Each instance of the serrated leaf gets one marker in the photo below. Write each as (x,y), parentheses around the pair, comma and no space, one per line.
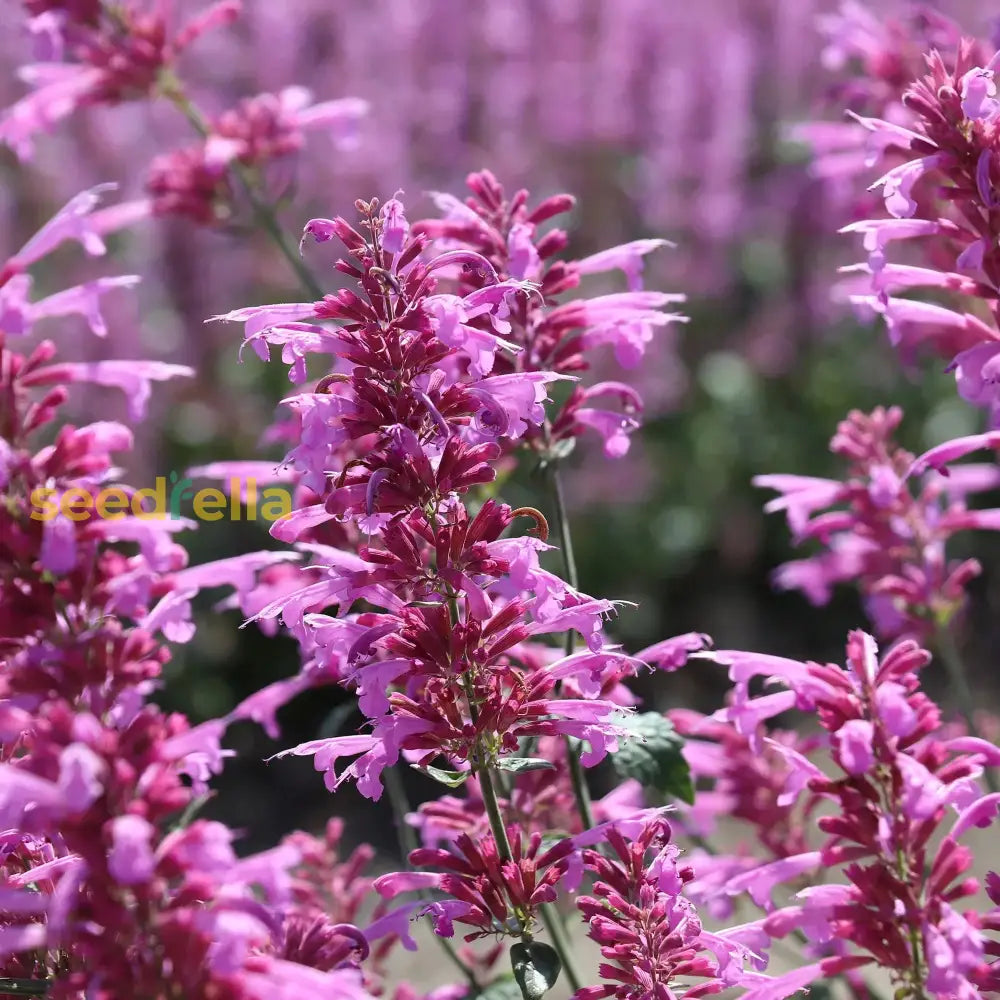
(453,779)
(652,755)
(536,968)
(519,764)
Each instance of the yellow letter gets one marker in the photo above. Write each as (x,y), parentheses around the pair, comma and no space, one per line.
(275,498)
(209,500)
(111,504)
(42,506)
(72,500)
(251,499)
(159,498)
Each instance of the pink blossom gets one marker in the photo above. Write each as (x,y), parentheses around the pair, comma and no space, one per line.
(130,860)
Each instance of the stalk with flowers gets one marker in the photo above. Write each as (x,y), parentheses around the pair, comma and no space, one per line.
(450,350)
(432,388)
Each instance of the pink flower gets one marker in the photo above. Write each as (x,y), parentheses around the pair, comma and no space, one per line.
(885,533)
(649,934)
(131,860)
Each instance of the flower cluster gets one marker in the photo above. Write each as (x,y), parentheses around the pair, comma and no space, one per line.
(96,54)
(879,532)
(108,887)
(92,54)
(449,350)
(874,59)
(553,336)
(940,200)
(412,418)
(493,889)
(429,390)
(900,781)
(649,934)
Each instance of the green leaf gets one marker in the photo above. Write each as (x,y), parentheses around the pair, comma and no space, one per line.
(504,988)
(652,755)
(519,764)
(536,968)
(453,779)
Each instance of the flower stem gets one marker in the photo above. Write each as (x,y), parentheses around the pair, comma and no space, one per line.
(269,223)
(493,813)
(947,650)
(172,89)
(562,529)
(551,919)
(576,775)
(407,844)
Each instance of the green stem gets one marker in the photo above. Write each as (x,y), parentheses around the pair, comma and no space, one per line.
(576,775)
(561,944)
(954,666)
(269,223)
(562,528)
(579,782)
(550,917)
(493,813)
(407,843)
(172,89)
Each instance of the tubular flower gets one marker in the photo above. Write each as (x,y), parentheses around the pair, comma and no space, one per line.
(489,894)
(558,337)
(941,199)
(755,779)
(100,56)
(882,531)
(649,934)
(429,605)
(196,181)
(873,57)
(103,890)
(408,421)
(904,794)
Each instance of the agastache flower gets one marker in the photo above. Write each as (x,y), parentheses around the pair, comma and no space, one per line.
(874,56)
(885,529)
(648,932)
(196,181)
(951,142)
(440,670)
(104,58)
(901,780)
(491,895)
(425,394)
(93,776)
(549,335)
